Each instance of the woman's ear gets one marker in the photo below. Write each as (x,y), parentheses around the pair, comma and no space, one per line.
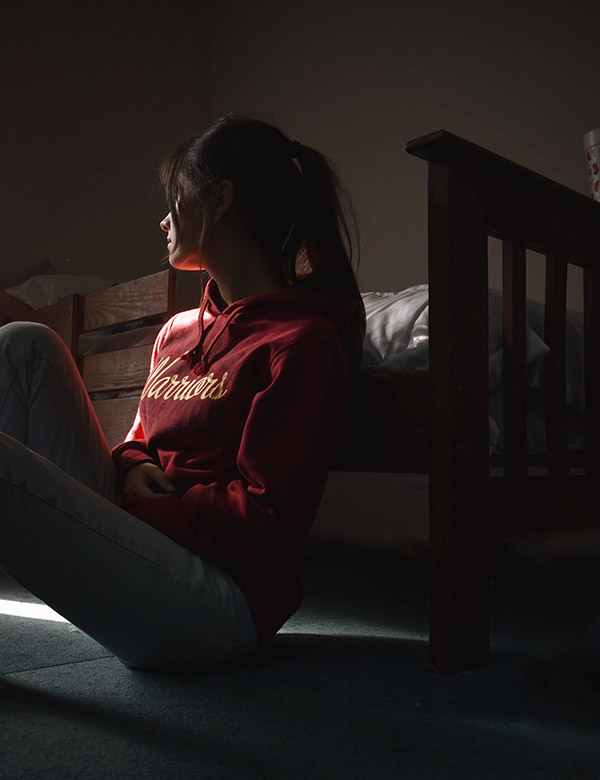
(225,193)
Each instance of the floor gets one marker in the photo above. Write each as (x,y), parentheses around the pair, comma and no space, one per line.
(344,692)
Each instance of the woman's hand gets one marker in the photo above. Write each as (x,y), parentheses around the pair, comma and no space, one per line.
(147,480)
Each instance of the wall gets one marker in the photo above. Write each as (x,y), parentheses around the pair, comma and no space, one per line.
(94,96)
(358,80)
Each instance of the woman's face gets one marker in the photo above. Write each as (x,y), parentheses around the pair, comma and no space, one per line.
(184,260)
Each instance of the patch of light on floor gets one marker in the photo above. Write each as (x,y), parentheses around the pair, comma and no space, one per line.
(27,610)
(355,630)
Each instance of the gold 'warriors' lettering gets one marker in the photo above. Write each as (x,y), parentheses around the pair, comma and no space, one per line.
(173,387)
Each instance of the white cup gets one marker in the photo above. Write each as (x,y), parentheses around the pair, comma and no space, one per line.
(591,147)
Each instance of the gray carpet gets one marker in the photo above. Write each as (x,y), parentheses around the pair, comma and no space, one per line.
(344,692)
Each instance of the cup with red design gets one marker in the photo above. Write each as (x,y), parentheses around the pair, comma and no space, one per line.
(591,147)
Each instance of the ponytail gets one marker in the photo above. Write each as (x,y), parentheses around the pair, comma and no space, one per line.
(320,249)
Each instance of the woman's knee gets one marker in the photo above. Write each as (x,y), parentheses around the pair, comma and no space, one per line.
(22,340)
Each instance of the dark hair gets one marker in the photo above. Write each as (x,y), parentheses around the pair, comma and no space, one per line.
(286,194)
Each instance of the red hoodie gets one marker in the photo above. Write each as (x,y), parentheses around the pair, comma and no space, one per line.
(241,410)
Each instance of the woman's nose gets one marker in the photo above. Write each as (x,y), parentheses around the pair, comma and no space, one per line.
(166,223)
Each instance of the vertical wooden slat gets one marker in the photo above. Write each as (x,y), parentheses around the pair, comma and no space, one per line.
(591,294)
(458,531)
(555,374)
(514,274)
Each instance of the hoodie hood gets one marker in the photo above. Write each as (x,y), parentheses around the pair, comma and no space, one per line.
(216,318)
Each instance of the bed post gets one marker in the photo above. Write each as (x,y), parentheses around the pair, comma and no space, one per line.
(458,321)
(458,534)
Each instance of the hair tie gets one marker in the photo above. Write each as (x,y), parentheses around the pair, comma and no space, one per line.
(295,147)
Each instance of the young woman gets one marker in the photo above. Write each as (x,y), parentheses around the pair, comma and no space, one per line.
(181,546)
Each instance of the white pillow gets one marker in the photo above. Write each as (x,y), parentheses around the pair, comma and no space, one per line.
(391,318)
(44,290)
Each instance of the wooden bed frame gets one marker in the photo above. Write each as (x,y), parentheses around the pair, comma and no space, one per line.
(436,421)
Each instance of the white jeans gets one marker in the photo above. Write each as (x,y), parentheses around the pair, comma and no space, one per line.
(144,597)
